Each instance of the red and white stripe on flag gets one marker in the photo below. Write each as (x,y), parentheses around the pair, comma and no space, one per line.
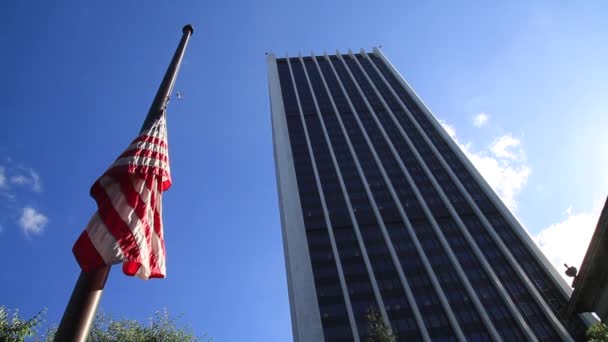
(127,226)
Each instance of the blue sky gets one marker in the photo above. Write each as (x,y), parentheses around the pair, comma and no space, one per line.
(79,77)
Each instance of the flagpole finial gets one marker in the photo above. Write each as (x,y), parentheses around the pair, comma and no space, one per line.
(188,28)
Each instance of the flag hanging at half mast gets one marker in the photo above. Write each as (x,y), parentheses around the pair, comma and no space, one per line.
(127,226)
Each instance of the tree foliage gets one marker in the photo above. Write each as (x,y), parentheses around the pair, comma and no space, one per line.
(378,330)
(15,329)
(161,327)
(598,332)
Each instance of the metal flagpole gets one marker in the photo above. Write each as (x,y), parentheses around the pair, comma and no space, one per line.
(81,309)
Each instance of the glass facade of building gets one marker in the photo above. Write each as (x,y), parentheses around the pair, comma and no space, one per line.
(394,217)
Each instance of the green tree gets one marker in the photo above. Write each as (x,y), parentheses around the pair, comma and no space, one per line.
(161,327)
(377,329)
(15,329)
(598,332)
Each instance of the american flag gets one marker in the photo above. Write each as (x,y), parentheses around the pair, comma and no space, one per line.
(127,226)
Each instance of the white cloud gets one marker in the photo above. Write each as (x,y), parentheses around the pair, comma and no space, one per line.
(2,178)
(502,165)
(7,196)
(506,177)
(36,183)
(507,147)
(32,221)
(480,119)
(566,242)
(33,179)
(19,180)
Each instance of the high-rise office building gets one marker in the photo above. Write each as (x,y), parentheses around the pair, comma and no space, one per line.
(381,210)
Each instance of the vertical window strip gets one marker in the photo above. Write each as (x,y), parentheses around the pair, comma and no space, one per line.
(345,131)
(321,94)
(341,64)
(362,248)
(411,302)
(323,204)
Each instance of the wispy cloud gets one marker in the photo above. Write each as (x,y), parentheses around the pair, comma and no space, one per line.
(5,193)
(480,119)
(36,183)
(32,221)
(14,175)
(19,180)
(507,147)
(566,241)
(2,178)
(32,179)
(502,165)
